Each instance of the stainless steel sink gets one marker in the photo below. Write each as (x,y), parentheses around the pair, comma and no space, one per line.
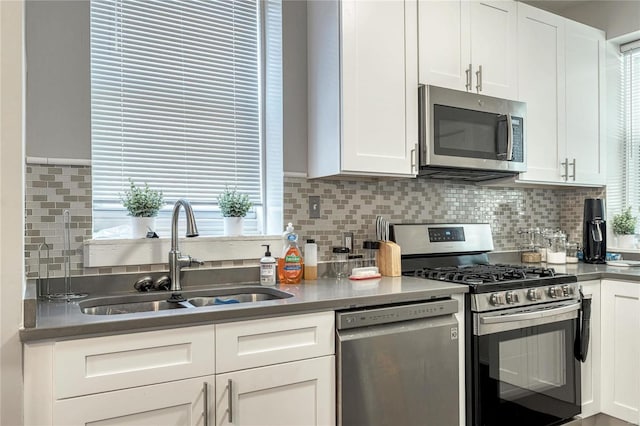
(232,298)
(131,308)
(152,302)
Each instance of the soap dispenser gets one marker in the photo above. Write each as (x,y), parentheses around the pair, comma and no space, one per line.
(267,268)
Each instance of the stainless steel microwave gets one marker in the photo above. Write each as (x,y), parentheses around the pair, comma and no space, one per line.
(466,136)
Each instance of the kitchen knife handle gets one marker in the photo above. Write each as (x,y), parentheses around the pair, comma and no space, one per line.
(230,400)
(205,403)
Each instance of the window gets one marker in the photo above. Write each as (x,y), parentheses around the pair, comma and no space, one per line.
(178,101)
(623,184)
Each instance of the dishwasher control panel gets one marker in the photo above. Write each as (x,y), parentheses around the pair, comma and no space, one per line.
(394,313)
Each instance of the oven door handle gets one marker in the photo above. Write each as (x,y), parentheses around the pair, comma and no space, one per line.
(496,319)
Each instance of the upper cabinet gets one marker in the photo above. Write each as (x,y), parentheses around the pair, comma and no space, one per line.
(585,82)
(561,78)
(541,84)
(362,88)
(469,45)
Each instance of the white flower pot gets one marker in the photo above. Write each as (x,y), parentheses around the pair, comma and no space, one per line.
(627,241)
(233,226)
(141,225)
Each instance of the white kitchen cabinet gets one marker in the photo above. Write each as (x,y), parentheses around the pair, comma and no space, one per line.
(362,88)
(591,382)
(281,370)
(620,374)
(297,393)
(560,77)
(469,45)
(179,403)
(585,152)
(541,84)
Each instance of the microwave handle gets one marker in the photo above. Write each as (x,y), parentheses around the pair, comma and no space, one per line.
(509,137)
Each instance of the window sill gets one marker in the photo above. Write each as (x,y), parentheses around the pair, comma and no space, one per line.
(127,252)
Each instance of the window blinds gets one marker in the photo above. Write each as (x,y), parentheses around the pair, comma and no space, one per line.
(176,101)
(623,185)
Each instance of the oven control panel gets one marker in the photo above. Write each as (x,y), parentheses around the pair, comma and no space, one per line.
(524,296)
(437,235)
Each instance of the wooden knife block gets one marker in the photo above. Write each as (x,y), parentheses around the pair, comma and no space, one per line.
(389,259)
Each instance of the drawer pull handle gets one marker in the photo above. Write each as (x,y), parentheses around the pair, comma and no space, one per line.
(230,400)
(205,403)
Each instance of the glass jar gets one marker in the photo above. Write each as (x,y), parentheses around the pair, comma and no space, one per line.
(370,250)
(572,252)
(557,251)
(340,262)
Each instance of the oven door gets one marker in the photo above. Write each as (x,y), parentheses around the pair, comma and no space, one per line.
(524,369)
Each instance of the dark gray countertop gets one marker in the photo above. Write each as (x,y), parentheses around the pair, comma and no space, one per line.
(61,320)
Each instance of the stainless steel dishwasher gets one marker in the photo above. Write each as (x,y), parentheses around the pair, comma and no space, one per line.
(398,365)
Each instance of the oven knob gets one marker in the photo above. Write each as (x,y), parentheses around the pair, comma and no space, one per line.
(567,291)
(496,299)
(512,297)
(533,294)
(555,292)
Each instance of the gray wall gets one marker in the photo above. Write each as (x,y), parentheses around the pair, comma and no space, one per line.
(616,18)
(58,101)
(58,118)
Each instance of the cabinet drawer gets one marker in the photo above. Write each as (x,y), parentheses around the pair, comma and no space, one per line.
(180,403)
(255,343)
(100,364)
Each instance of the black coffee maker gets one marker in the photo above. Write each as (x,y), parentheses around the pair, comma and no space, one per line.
(594,231)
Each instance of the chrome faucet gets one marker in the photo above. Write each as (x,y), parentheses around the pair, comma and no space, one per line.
(176,260)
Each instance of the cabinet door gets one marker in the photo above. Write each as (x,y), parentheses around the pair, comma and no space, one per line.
(493,47)
(584,94)
(541,81)
(296,393)
(444,44)
(180,403)
(620,349)
(379,87)
(591,367)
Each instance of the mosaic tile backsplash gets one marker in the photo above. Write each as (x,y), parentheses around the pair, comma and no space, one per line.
(345,206)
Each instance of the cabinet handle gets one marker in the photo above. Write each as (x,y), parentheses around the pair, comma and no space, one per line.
(468,73)
(205,403)
(573,164)
(230,400)
(479,79)
(414,166)
(565,164)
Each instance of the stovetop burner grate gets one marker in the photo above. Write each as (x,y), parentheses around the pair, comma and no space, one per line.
(485,278)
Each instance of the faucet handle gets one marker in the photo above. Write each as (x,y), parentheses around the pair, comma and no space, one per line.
(194,260)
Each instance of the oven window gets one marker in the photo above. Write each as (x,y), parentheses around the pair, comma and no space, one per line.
(530,364)
(527,376)
(465,133)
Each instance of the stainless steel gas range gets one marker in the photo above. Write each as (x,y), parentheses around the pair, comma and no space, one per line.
(526,331)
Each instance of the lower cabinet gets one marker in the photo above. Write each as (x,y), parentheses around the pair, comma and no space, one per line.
(269,371)
(591,383)
(180,403)
(294,393)
(620,373)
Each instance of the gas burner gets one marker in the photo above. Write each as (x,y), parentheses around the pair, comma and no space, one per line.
(486,278)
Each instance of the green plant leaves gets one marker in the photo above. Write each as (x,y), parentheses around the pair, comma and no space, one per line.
(142,202)
(624,223)
(234,204)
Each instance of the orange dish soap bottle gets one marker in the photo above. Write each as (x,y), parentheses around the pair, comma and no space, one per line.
(290,264)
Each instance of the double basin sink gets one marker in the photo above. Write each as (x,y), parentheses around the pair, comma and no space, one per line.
(150,302)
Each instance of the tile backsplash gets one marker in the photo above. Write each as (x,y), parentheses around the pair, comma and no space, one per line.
(346,205)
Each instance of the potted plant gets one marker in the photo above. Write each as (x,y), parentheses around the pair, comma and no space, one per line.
(143,204)
(234,206)
(624,226)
